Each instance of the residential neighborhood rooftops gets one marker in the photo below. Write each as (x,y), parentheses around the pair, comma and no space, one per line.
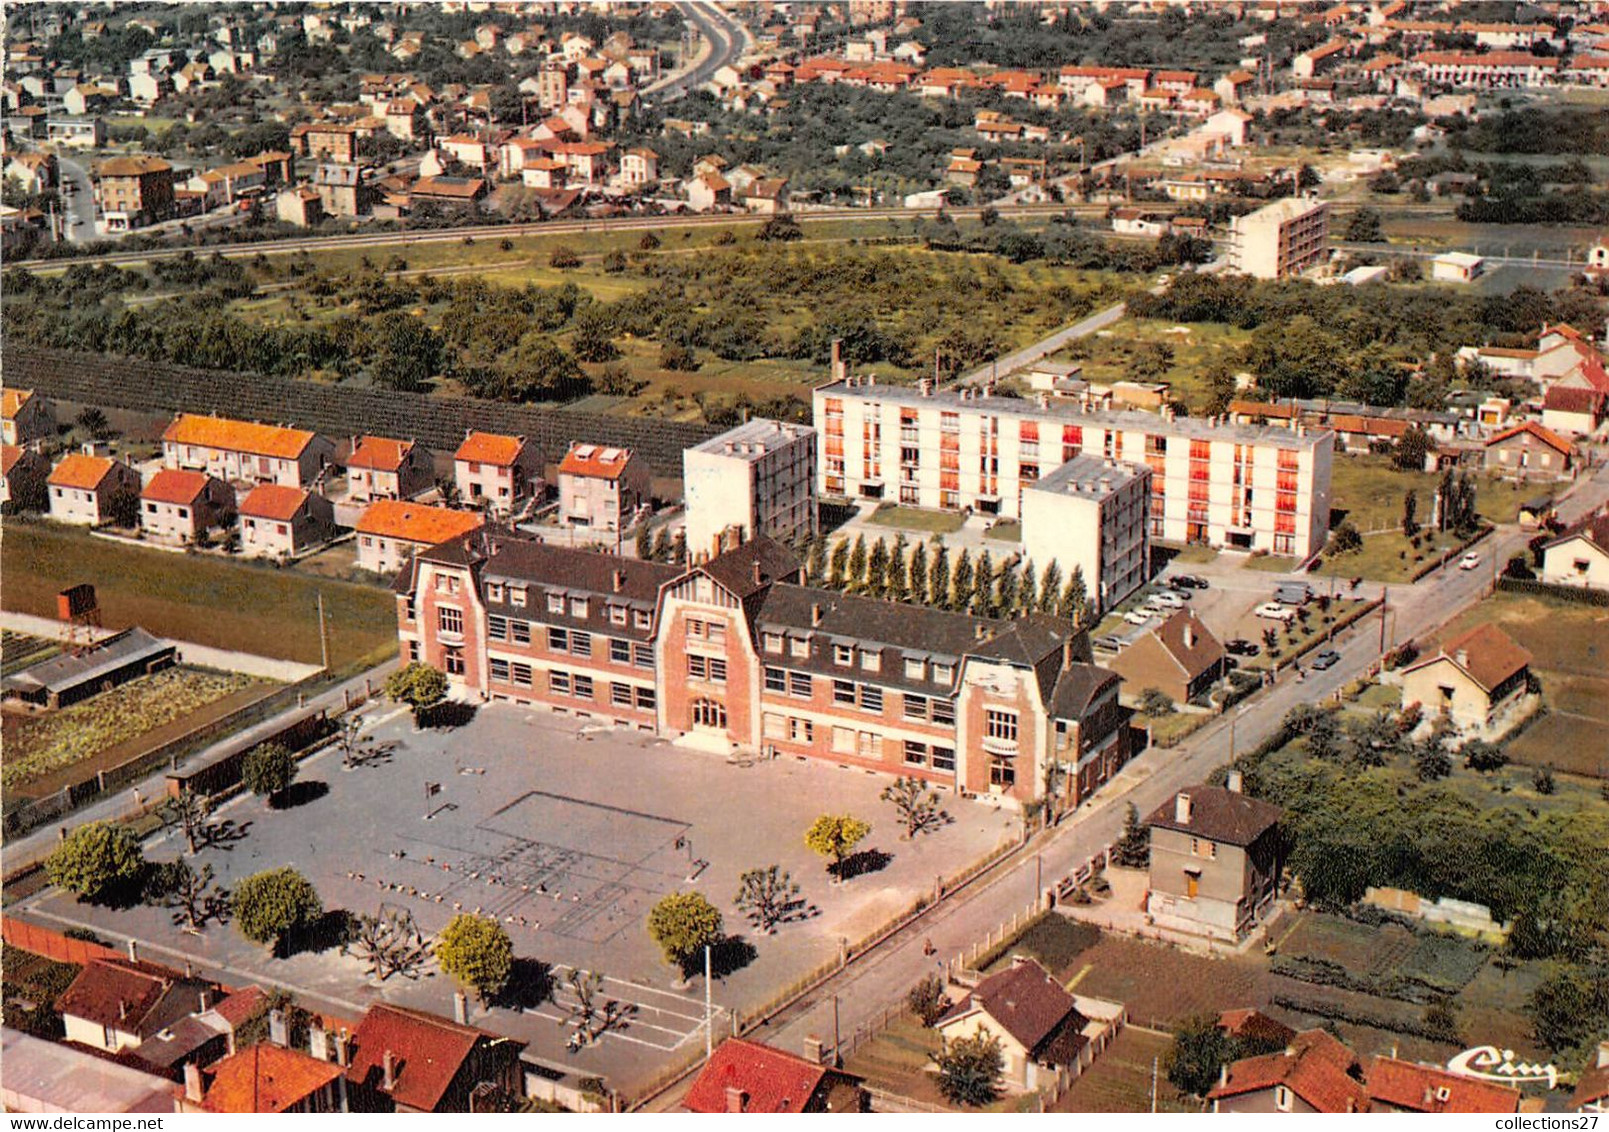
(225,434)
(117,992)
(81,471)
(133,166)
(273,501)
(265,1078)
(379,453)
(1213,812)
(1025,1001)
(595,461)
(171,485)
(1427,1088)
(1315,1066)
(416,522)
(768,1079)
(1488,654)
(64,1078)
(490,448)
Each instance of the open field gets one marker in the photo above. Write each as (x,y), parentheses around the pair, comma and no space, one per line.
(246,607)
(1183,353)
(37,746)
(915,519)
(1120,1079)
(1370,490)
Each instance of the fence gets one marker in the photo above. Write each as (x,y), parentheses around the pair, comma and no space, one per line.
(437,422)
(52,944)
(1548,589)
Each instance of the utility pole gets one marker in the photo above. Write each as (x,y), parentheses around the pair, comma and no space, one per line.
(709,1016)
(1383,604)
(836,1060)
(1153,1083)
(323,635)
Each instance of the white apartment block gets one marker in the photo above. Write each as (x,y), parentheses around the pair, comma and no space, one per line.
(1283,238)
(758,478)
(1244,487)
(1092,514)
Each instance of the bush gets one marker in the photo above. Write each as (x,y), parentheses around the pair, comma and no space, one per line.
(926,1000)
(680,358)
(564,257)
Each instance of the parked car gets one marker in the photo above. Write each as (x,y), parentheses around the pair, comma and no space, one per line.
(1329,658)
(1275,611)
(1293,593)
(1139,617)
(1189,582)
(1167,599)
(1469,561)
(1112,644)
(1240,646)
(1176,590)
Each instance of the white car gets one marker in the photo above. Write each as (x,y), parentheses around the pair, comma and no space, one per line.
(1166,599)
(1275,611)
(1139,617)
(1469,561)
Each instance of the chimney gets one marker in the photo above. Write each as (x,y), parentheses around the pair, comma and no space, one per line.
(1189,636)
(460,1008)
(388,1071)
(193,1091)
(980,631)
(815,614)
(342,1047)
(133,951)
(813,1050)
(839,370)
(1236,782)
(620,580)
(1181,808)
(278,1029)
(1462,657)
(122,1010)
(758,576)
(206,1003)
(318,1042)
(736,1099)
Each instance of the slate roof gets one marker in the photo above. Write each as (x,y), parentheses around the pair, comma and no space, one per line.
(1219,815)
(1196,656)
(124,993)
(1026,1002)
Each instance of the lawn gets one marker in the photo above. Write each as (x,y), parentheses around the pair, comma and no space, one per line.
(1370,490)
(1144,349)
(897,1061)
(229,604)
(1388,557)
(40,745)
(916,519)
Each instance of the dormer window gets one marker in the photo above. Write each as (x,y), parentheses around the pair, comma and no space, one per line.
(642,619)
(773,642)
(871,660)
(555,603)
(517,595)
(578,607)
(915,668)
(494,591)
(617,615)
(799,647)
(843,655)
(943,673)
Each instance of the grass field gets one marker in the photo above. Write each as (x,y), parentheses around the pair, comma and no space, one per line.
(42,745)
(225,604)
(915,519)
(1370,490)
(1111,354)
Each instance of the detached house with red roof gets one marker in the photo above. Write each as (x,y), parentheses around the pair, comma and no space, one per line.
(92,490)
(181,507)
(1216,856)
(1530,451)
(23,472)
(117,1004)
(601,488)
(496,472)
(283,522)
(744,1076)
(244,451)
(1405,1086)
(408,1061)
(382,468)
(1315,1073)
(390,531)
(24,417)
(265,1077)
(1580,556)
(1479,681)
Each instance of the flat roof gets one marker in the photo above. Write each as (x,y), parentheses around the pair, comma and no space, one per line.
(1024,408)
(753,439)
(1088,476)
(60,1078)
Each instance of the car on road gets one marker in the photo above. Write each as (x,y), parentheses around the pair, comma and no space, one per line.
(1240,646)
(1168,599)
(1329,658)
(1189,582)
(1469,561)
(1139,617)
(1275,611)
(1111,644)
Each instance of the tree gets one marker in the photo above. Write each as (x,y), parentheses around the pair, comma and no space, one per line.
(1542,780)
(835,836)
(390,943)
(592,340)
(1027,591)
(1200,1050)
(780,228)
(643,543)
(1132,850)
(564,257)
(938,579)
(856,578)
(477,953)
(1075,598)
(1483,757)
(267,770)
(419,686)
(1570,1007)
(406,352)
(188,811)
(1345,539)
(356,748)
(877,569)
(1050,587)
(96,861)
(590,1015)
(683,924)
(926,1000)
(193,896)
(1324,737)
(1412,447)
(970,1069)
(816,559)
(896,582)
(1431,760)
(1155,702)
(1410,513)
(917,805)
(93,421)
(838,565)
(982,584)
(961,582)
(661,551)
(1364,227)
(764,896)
(272,904)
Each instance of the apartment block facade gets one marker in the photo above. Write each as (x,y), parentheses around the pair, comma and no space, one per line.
(734,655)
(1280,239)
(1238,486)
(758,478)
(1092,514)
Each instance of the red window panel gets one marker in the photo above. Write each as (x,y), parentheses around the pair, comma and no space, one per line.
(1073,434)
(1285,524)
(949,481)
(1198,492)
(1201,450)
(1284,502)
(1029,430)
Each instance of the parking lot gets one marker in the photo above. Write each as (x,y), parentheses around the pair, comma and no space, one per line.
(567,834)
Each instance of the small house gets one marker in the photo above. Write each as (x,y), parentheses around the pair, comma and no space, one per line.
(284,522)
(601,488)
(1480,682)
(382,468)
(496,472)
(389,531)
(181,507)
(1216,856)
(93,490)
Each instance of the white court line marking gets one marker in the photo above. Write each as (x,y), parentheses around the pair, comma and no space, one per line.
(611,1033)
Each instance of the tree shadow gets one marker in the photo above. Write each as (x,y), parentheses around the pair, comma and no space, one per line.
(300,794)
(1338,516)
(729,955)
(530,984)
(866,861)
(375,754)
(335,928)
(448,715)
(222,834)
(796,910)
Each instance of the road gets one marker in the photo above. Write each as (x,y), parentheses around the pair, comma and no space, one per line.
(882,977)
(1003,367)
(725,38)
(80,203)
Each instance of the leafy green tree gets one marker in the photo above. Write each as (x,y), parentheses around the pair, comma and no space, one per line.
(1199,1052)
(1542,780)
(896,583)
(1075,598)
(405,351)
(683,924)
(1050,587)
(927,1001)
(477,953)
(983,578)
(661,552)
(1410,513)
(838,565)
(857,565)
(1132,849)
(564,257)
(835,836)
(1570,1007)
(419,686)
(1154,702)
(1364,227)
(268,770)
(918,573)
(916,804)
(644,541)
(816,559)
(1431,761)
(270,905)
(877,569)
(938,579)
(1028,592)
(961,582)
(765,895)
(1345,539)
(780,229)
(1481,756)
(96,860)
(593,338)
(970,1069)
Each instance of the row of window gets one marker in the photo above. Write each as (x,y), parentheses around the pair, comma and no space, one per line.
(710,669)
(932,755)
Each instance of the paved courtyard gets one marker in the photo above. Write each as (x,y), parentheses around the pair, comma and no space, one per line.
(567,834)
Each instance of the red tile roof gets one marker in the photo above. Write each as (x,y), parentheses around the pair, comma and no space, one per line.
(596,461)
(273,501)
(1250,1022)
(429,1051)
(1316,1067)
(240,1005)
(1490,656)
(380,453)
(265,1078)
(80,471)
(1563,399)
(1593,1086)
(490,448)
(9,455)
(415,522)
(1425,1088)
(771,1081)
(117,992)
(238,436)
(12,401)
(1546,436)
(173,486)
